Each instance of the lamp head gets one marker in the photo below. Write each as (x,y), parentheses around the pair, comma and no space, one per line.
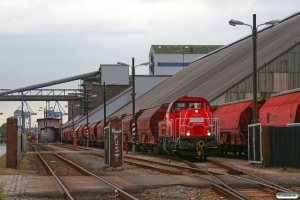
(146,63)
(95,83)
(233,22)
(122,64)
(273,22)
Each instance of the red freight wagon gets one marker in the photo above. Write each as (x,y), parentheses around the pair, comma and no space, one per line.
(147,126)
(93,133)
(84,132)
(127,127)
(234,120)
(80,134)
(126,122)
(76,132)
(100,134)
(64,135)
(281,109)
(69,134)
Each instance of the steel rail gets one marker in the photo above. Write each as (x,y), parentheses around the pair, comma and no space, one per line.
(118,191)
(272,187)
(167,171)
(195,170)
(69,196)
(281,189)
(232,170)
(227,192)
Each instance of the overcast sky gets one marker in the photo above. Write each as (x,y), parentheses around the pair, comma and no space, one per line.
(52,39)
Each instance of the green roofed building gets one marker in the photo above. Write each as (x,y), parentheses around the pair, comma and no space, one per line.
(169,59)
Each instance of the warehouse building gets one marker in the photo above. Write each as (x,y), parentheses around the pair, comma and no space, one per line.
(226,74)
(169,59)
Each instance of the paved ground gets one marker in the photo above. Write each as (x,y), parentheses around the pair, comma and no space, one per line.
(46,186)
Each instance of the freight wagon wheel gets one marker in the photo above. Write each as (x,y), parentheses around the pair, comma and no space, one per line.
(155,149)
(240,151)
(177,155)
(141,148)
(225,151)
(221,152)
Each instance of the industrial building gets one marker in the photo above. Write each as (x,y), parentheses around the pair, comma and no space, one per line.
(169,59)
(117,92)
(223,75)
(226,74)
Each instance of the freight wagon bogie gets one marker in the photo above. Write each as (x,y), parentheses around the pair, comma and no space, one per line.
(234,143)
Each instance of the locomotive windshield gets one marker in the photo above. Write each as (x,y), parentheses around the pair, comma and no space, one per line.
(186,105)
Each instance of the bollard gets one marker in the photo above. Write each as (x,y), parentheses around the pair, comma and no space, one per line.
(75,141)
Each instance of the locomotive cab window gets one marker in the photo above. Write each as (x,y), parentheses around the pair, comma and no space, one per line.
(194,105)
(178,106)
(206,106)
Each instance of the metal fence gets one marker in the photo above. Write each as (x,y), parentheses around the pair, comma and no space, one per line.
(21,143)
(285,146)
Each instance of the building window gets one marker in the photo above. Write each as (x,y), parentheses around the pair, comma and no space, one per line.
(117,91)
(173,64)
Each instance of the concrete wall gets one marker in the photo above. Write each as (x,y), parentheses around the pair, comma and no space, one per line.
(114,73)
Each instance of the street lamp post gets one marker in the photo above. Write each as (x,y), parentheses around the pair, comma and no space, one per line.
(87,116)
(72,112)
(133,99)
(104,102)
(233,22)
(104,99)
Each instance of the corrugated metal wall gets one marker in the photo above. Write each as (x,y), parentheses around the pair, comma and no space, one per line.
(281,74)
(285,146)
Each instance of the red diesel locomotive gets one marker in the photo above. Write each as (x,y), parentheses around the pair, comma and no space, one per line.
(189,129)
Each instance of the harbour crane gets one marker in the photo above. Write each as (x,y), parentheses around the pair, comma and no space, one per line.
(27,111)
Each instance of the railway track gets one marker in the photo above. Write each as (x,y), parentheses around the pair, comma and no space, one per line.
(52,158)
(263,187)
(233,172)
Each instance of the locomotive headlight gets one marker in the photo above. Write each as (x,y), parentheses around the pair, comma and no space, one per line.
(188,133)
(208,132)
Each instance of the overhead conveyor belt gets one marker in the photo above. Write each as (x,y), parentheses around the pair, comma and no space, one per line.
(50,83)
